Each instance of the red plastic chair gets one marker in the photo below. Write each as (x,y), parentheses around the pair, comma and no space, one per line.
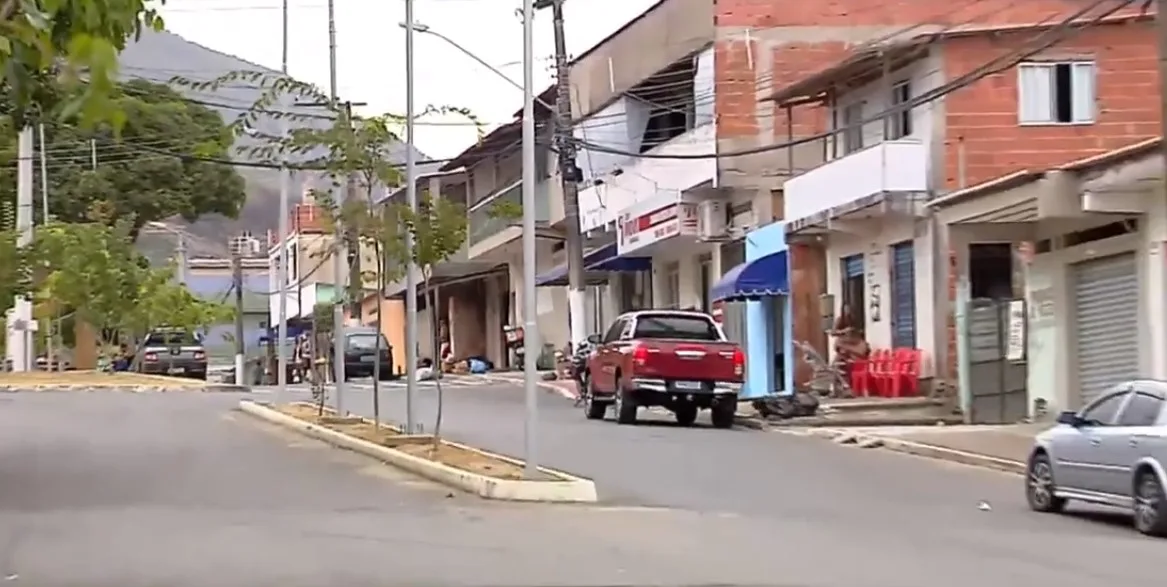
(906,379)
(861,377)
(881,372)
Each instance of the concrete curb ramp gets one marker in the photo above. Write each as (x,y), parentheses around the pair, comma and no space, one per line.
(568,489)
(866,440)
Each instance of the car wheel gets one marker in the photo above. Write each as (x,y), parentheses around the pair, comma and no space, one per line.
(723,412)
(1040,490)
(594,410)
(625,405)
(1150,505)
(686,415)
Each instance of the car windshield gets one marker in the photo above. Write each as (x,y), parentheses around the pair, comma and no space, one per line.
(366,342)
(676,326)
(171,339)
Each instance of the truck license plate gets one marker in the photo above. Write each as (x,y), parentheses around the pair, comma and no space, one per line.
(367,359)
(176,370)
(696,385)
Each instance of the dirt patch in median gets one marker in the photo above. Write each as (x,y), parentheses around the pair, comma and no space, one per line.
(94,379)
(421,446)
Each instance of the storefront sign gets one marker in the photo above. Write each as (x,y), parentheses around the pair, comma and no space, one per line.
(640,231)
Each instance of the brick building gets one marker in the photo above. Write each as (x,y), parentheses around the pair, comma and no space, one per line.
(858,223)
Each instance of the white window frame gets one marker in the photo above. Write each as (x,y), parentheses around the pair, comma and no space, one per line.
(1084,115)
(901,122)
(852,134)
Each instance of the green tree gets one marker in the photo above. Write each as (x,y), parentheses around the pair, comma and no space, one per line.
(132,181)
(70,42)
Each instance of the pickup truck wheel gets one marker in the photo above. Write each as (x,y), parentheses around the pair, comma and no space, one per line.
(593,410)
(686,414)
(723,412)
(625,406)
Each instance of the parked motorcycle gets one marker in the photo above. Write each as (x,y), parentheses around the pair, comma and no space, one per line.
(579,367)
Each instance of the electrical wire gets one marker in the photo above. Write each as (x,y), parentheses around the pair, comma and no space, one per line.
(1062,31)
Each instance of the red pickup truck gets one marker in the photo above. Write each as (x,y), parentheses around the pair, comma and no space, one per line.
(679,360)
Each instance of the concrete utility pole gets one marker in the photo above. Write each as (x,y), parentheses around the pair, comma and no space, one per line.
(237,286)
(19,320)
(570,175)
(530,306)
(338,257)
(282,271)
(44,175)
(411,201)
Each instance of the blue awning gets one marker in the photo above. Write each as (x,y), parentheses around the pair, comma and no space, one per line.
(596,264)
(761,278)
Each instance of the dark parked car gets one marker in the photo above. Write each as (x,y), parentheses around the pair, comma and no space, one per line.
(360,354)
(171,351)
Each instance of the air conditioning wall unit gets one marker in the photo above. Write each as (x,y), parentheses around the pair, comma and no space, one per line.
(712,223)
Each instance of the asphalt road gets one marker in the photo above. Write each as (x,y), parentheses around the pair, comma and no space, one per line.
(904,520)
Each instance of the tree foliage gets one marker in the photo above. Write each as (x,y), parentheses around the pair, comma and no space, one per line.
(69,43)
(92,271)
(132,180)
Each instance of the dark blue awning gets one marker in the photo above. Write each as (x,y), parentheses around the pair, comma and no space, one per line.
(761,278)
(596,264)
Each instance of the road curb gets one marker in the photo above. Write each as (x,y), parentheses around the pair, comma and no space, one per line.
(865,440)
(570,489)
(81,388)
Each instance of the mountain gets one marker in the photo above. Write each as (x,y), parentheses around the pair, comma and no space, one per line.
(162,56)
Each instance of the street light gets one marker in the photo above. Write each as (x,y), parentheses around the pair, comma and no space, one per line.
(530,309)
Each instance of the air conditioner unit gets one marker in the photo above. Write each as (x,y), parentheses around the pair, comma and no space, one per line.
(712,224)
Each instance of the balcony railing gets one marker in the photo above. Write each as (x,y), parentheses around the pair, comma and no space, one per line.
(482,223)
(888,167)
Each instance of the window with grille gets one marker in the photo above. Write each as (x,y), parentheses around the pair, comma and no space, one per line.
(1056,93)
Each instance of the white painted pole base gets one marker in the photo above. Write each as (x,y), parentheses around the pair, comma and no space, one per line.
(576,300)
(239,375)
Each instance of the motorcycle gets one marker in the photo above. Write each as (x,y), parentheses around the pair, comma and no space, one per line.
(579,368)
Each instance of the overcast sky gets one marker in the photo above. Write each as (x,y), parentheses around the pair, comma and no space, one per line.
(371,50)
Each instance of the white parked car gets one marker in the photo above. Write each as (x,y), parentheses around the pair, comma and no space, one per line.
(1112,452)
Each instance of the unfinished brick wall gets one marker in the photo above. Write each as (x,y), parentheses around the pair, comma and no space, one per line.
(765,45)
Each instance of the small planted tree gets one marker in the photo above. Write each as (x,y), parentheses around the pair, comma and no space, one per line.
(355,154)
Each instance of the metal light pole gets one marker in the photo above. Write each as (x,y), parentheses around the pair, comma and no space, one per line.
(338,259)
(282,272)
(411,199)
(530,308)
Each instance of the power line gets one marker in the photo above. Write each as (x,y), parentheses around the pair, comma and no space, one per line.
(1061,32)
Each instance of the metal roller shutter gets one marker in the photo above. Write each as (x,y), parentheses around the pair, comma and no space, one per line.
(903,291)
(852,266)
(1106,314)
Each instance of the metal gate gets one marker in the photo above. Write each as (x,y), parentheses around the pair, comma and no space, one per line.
(903,291)
(1106,319)
(997,385)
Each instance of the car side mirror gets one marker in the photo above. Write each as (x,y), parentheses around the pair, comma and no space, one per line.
(594,338)
(1070,418)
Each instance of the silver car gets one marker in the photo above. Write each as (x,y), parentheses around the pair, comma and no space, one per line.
(1112,452)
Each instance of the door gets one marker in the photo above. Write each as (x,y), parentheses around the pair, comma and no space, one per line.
(854,297)
(603,363)
(1079,458)
(903,291)
(1139,434)
(1106,316)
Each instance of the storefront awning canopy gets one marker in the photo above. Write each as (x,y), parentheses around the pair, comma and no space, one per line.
(596,263)
(761,278)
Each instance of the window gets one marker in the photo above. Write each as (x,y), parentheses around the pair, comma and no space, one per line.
(706,283)
(1142,410)
(672,286)
(1102,412)
(366,342)
(1056,93)
(676,326)
(851,308)
(900,123)
(614,332)
(852,130)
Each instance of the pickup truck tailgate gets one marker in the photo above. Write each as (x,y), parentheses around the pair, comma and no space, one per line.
(697,361)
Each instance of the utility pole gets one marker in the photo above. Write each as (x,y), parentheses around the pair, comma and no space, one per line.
(352,241)
(282,270)
(570,175)
(180,254)
(19,319)
(411,201)
(237,286)
(44,175)
(530,307)
(93,154)
(338,257)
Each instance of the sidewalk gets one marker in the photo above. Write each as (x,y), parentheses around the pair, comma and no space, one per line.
(1004,448)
